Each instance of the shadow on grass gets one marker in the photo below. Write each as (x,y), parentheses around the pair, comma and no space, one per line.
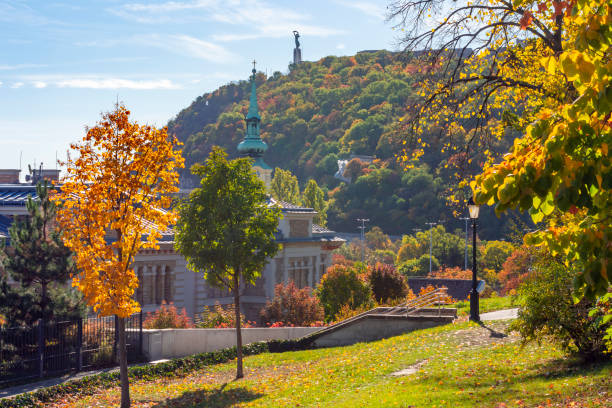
(571,366)
(216,398)
(493,332)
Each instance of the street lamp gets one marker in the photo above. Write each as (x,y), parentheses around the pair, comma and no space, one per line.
(474,314)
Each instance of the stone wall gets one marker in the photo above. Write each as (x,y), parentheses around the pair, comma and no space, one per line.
(174,343)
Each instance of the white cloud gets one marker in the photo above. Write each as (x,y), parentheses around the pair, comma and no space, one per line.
(95,81)
(376,10)
(1,83)
(188,46)
(340,46)
(17,85)
(20,66)
(116,83)
(262,19)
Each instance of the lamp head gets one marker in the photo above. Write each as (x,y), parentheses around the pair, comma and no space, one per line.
(473,208)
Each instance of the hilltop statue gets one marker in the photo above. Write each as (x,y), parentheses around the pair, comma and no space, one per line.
(297,39)
(297,52)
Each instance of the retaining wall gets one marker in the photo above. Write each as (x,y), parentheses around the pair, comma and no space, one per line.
(173,343)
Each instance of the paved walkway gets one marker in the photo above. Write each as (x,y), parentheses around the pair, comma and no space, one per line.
(30,387)
(500,315)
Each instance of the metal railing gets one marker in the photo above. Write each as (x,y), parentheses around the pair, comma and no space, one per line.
(434,298)
(53,348)
(437,297)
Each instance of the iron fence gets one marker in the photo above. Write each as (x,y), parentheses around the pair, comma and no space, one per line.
(54,348)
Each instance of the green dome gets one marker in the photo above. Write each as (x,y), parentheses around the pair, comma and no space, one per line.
(252,146)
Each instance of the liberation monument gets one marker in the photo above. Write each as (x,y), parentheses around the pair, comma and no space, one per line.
(297,52)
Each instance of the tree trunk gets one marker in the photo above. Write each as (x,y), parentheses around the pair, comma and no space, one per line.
(123,368)
(43,301)
(239,373)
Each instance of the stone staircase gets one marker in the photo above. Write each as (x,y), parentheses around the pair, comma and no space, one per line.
(383,322)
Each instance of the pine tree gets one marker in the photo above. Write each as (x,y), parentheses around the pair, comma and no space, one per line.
(40,263)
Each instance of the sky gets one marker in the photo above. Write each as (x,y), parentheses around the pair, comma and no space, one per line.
(64,63)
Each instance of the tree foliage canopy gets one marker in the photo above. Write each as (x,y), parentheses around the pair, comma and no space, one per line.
(285,187)
(118,187)
(226,227)
(543,70)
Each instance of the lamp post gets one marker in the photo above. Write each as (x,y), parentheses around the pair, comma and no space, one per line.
(362,228)
(466,219)
(431,224)
(474,307)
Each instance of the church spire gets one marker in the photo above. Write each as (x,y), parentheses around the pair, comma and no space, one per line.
(252,145)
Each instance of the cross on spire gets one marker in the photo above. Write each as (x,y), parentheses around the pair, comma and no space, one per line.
(254,62)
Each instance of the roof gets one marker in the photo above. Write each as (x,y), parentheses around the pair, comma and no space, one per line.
(287,207)
(16,195)
(319,229)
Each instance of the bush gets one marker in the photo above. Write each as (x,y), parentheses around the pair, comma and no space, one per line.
(340,286)
(419,267)
(451,273)
(292,306)
(386,283)
(516,269)
(547,309)
(167,317)
(219,317)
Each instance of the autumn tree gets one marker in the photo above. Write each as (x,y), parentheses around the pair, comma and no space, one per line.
(285,187)
(313,197)
(114,202)
(226,228)
(545,67)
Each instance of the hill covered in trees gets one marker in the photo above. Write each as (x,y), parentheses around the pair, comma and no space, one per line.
(328,110)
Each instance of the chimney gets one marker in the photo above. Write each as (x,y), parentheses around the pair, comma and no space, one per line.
(9,176)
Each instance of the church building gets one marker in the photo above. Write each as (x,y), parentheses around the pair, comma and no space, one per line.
(163,274)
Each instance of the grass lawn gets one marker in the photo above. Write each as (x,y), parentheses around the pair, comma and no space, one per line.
(458,365)
(486,305)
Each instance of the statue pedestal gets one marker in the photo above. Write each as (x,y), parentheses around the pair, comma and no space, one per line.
(297,56)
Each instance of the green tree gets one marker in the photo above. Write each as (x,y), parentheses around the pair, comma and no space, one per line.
(40,263)
(419,266)
(226,228)
(377,239)
(341,285)
(285,186)
(495,254)
(313,197)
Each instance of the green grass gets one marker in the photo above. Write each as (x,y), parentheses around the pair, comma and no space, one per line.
(486,305)
(461,365)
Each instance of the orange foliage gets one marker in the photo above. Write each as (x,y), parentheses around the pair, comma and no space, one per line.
(451,273)
(114,196)
(515,270)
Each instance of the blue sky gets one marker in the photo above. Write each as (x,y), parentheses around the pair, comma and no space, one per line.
(62,63)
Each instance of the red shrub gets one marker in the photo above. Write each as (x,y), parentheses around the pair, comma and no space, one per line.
(386,283)
(167,317)
(292,307)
